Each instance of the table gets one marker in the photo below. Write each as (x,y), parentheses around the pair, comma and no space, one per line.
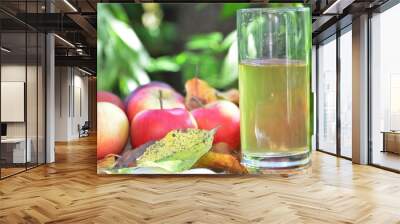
(391,141)
(16,153)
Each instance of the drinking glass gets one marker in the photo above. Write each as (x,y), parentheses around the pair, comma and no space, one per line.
(274,83)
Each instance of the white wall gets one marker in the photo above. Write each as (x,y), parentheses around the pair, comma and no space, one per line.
(71,94)
(80,103)
(12,73)
(62,82)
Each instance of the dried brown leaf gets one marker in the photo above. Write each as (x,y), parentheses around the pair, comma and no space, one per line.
(221,162)
(129,157)
(199,93)
(230,95)
(107,162)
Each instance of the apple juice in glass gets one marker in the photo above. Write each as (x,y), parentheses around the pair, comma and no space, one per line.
(274,84)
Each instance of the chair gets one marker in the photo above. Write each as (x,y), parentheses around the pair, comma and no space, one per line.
(84,130)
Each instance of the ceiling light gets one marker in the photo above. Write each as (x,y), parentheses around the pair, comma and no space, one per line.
(5,50)
(80,51)
(70,5)
(65,41)
(84,71)
(337,7)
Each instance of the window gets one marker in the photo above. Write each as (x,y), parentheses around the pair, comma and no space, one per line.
(22,75)
(346,93)
(385,89)
(314,98)
(327,96)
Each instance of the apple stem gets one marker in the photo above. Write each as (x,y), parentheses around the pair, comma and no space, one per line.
(198,101)
(160,99)
(196,75)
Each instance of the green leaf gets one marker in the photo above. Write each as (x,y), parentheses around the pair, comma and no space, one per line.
(136,170)
(182,58)
(129,37)
(229,71)
(118,12)
(126,85)
(122,58)
(179,150)
(229,39)
(165,63)
(208,65)
(205,41)
(139,74)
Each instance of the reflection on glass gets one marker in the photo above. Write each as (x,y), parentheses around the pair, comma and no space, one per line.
(385,89)
(13,84)
(327,97)
(41,100)
(31,97)
(346,94)
(22,93)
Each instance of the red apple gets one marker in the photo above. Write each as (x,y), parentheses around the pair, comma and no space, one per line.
(148,85)
(147,97)
(153,125)
(222,114)
(104,96)
(112,129)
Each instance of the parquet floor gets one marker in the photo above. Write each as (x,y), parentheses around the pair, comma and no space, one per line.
(387,159)
(10,171)
(69,191)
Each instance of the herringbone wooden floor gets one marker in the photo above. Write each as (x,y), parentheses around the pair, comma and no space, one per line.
(70,191)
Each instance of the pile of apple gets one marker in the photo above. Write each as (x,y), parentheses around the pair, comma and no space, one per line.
(153,110)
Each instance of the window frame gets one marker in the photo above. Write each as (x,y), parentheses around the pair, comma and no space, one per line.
(379,10)
(334,37)
(27,29)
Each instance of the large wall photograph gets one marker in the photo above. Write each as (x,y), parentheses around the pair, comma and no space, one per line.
(168,85)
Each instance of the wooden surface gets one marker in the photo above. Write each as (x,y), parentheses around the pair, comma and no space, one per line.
(386,159)
(391,142)
(10,171)
(69,191)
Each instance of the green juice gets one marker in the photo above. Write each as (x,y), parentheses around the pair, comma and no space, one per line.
(274,104)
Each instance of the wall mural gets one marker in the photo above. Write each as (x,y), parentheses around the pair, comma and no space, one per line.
(168,88)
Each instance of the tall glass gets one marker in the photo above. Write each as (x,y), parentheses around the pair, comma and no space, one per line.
(274,84)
